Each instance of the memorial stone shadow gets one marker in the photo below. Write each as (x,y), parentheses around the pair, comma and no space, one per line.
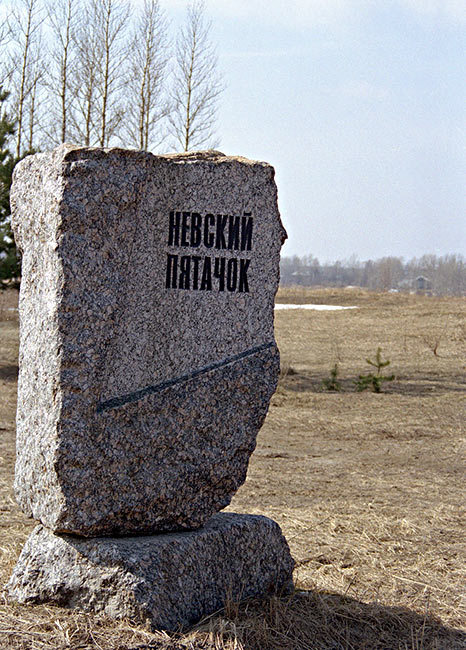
(311,620)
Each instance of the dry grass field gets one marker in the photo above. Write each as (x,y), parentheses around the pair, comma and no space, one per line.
(368,489)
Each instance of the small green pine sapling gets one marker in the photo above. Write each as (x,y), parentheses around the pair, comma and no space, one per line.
(371,380)
(332,383)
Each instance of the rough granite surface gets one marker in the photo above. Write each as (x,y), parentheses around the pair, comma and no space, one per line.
(147,352)
(170,579)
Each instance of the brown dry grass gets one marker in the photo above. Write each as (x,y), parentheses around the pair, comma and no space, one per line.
(368,489)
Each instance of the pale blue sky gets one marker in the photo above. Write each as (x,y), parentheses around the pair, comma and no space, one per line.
(361,107)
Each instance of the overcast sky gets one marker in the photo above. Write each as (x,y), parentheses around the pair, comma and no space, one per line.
(360,105)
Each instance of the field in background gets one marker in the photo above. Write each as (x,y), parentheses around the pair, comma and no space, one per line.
(368,489)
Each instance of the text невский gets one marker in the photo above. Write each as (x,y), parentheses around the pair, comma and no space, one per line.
(205,273)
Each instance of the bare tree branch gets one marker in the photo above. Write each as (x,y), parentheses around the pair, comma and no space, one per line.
(83,81)
(6,68)
(112,19)
(100,72)
(197,84)
(62,17)
(36,75)
(27,18)
(147,105)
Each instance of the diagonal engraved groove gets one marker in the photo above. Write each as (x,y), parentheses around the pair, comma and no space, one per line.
(115,402)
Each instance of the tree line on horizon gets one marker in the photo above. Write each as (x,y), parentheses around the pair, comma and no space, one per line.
(101,73)
(439,275)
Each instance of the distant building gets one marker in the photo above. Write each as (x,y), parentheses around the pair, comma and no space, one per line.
(423,285)
(420,285)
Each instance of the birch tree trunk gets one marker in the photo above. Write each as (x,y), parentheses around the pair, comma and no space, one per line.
(147,103)
(111,23)
(197,84)
(62,17)
(25,25)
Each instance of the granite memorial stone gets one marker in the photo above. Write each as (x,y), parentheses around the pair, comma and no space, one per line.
(147,352)
(147,363)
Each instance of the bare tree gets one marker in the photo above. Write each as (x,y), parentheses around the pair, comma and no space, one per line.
(5,37)
(196,85)
(4,26)
(99,73)
(26,24)
(83,82)
(111,20)
(62,18)
(32,119)
(148,56)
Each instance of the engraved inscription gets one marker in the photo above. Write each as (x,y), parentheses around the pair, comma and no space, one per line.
(208,272)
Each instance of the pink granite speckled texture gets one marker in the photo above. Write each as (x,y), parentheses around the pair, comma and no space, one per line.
(147,353)
(168,580)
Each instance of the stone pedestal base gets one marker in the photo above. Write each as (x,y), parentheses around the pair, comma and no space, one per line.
(172,579)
